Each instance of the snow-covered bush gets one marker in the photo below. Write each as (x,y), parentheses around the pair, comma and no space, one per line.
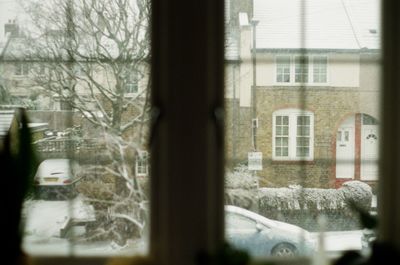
(241,188)
(241,178)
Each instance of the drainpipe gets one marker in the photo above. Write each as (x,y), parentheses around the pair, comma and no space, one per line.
(254,122)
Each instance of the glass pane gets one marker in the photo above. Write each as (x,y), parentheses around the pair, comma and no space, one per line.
(303,141)
(80,68)
(319,137)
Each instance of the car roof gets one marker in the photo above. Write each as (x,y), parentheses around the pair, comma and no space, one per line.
(51,165)
(250,214)
(265,221)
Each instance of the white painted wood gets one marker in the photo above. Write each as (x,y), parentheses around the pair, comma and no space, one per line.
(345,149)
(369,152)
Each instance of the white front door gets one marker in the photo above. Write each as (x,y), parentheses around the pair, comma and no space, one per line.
(369,152)
(345,152)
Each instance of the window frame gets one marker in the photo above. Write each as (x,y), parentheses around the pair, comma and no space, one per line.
(292,115)
(142,162)
(313,69)
(167,11)
(283,74)
(310,71)
(132,81)
(21,69)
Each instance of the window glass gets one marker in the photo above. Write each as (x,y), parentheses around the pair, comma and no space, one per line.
(70,64)
(293,135)
(312,80)
(301,69)
(283,69)
(239,222)
(319,69)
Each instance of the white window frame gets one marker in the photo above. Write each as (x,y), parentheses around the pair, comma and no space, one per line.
(313,58)
(283,74)
(21,69)
(142,164)
(301,62)
(132,82)
(292,114)
(310,70)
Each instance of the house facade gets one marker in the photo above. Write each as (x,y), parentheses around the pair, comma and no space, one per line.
(309,102)
(101,104)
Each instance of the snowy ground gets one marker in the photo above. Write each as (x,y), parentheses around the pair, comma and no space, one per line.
(335,243)
(45,221)
(47,218)
(66,247)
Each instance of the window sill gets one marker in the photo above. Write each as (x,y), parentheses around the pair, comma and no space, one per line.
(139,260)
(131,260)
(276,161)
(302,84)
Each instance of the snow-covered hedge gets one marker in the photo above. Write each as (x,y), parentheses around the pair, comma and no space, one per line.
(297,205)
(297,198)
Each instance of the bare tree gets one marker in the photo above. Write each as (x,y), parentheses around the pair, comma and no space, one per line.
(92,55)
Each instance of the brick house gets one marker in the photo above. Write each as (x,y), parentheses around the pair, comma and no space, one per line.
(19,73)
(315,113)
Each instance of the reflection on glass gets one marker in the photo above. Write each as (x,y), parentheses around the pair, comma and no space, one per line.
(81,70)
(309,72)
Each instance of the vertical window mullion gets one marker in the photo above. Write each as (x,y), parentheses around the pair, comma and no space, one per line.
(292,137)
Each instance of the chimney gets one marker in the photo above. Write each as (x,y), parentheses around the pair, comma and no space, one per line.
(12,28)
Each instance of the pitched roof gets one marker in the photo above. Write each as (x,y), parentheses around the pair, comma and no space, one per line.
(316,24)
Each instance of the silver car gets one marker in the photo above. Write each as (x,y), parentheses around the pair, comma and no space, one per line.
(261,236)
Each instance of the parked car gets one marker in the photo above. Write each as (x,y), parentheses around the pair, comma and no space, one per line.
(261,236)
(55,176)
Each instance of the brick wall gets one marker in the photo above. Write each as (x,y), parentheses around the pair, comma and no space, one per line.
(330,105)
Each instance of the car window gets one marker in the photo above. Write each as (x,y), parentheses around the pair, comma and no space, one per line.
(236,222)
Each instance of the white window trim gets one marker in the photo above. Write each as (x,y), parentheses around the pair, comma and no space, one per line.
(132,80)
(293,114)
(311,72)
(21,65)
(292,81)
(140,156)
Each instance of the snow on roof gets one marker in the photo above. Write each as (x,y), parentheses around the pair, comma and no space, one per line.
(316,24)
(6,117)
(38,126)
(231,47)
